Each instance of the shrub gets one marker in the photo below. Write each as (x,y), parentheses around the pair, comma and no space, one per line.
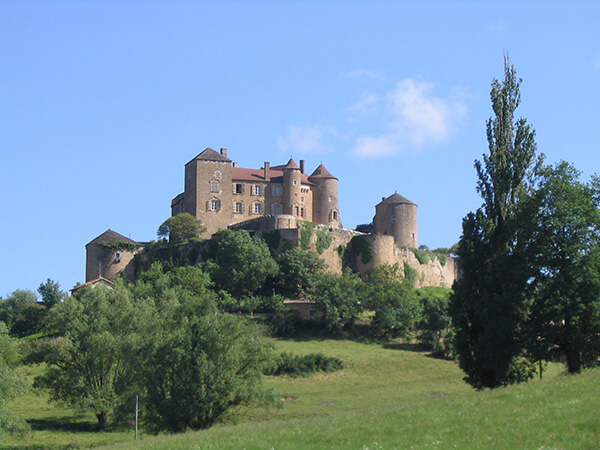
(301,366)
(284,322)
(323,241)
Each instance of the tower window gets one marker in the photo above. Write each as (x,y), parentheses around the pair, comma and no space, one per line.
(393,219)
(214,205)
(276,191)
(276,209)
(214,186)
(295,182)
(334,215)
(296,211)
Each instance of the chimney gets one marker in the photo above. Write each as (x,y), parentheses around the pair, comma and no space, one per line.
(301,166)
(234,164)
(382,198)
(224,152)
(267,171)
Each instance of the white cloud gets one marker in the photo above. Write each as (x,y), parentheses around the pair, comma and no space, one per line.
(367,102)
(305,139)
(414,118)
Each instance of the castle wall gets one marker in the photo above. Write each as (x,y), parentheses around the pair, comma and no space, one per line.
(398,220)
(199,198)
(108,263)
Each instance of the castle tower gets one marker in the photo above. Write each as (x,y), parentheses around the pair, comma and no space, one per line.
(110,254)
(325,197)
(208,190)
(397,216)
(292,179)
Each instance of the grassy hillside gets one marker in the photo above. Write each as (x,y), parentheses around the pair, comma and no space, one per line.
(384,398)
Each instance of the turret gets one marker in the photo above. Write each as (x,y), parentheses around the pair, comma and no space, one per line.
(325,197)
(397,216)
(291,188)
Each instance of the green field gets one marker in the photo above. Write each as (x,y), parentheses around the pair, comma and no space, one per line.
(386,397)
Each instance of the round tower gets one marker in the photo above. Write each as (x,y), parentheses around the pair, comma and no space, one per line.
(397,216)
(291,188)
(325,197)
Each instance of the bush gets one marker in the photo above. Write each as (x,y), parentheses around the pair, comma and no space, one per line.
(285,322)
(301,366)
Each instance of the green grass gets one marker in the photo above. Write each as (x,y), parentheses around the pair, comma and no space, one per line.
(383,398)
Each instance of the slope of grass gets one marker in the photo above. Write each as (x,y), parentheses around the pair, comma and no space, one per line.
(383,398)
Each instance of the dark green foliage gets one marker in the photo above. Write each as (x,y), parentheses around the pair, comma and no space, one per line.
(489,304)
(391,296)
(273,239)
(198,373)
(298,272)
(339,297)
(410,274)
(11,385)
(303,365)
(243,262)
(422,256)
(563,229)
(50,293)
(306,234)
(21,313)
(121,246)
(88,366)
(180,228)
(284,322)
(435,326)
(323,241)
(361,247)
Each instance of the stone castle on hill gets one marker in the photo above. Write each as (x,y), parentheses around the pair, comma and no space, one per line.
(303,209)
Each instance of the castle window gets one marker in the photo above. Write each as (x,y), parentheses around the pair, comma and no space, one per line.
(331,198)
(334,215)
(214,186)
(296,211)
(276,191)
(295,182)
(238,208)
(258,208)
(276,209)
(257,189)
(213,205)
(393,219)
(302,212)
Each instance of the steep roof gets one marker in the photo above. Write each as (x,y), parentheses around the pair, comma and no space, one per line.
(110,237)
(291,165)
(397,198)
(211,155)
(177,199)
(244,174)
(321,172)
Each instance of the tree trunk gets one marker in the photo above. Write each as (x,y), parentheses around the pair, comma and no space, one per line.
(573,361)
(102,420)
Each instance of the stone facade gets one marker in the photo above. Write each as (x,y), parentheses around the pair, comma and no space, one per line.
(105,258)
(221,194)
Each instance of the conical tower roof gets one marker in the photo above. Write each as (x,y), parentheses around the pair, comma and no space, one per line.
(110,237)
(396,198)
(321,172)
(291,165)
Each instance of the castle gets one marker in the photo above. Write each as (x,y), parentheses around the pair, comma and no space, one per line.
(282,198)
(220,193)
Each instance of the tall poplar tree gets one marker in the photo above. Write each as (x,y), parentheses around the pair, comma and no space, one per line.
(489,303)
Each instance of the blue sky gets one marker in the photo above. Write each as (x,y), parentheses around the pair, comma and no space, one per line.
(102,104)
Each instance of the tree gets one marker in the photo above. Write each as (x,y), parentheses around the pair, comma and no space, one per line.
(10,385)
(339,297)
(209,365)
(90,365)
(298,271)
(564,238)
(435,326)
(50,293)
(489,303)
(243,262)
(180,228)
(391,296)
(21,313)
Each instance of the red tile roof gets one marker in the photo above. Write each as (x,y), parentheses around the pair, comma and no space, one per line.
(322,172)
(92,282)
(243,174)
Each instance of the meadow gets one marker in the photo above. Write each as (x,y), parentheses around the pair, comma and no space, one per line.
(387,396)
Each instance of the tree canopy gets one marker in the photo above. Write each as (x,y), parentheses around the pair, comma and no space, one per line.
(180,228)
